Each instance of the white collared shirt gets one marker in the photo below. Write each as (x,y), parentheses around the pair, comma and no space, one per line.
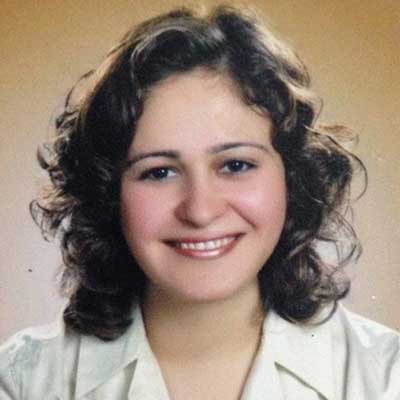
(346,358)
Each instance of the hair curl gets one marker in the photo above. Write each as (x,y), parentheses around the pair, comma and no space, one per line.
(86,159)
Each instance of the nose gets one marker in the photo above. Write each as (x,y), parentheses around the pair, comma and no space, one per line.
(201,204)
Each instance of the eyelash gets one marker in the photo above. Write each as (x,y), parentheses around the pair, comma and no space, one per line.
(246,164)
(162,172)
(151,174)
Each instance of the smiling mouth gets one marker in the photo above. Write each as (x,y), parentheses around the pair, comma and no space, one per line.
(205,249)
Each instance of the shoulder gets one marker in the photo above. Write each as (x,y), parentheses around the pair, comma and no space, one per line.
(365,333)
(28,356)
(340,355)
(368,352)
(28,344)
(56,362)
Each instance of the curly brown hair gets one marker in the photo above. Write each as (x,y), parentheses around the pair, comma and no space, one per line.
(87,158)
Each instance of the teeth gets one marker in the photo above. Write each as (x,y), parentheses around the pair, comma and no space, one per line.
(201,246)
(208,245)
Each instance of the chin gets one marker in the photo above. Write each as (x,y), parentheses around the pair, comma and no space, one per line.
(207,294)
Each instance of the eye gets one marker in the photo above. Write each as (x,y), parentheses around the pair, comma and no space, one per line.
(158,174)
(237,166)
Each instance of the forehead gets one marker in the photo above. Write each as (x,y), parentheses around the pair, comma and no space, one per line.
(196,109)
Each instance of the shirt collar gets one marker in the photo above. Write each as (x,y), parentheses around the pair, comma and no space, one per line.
(304,350)
(99,360)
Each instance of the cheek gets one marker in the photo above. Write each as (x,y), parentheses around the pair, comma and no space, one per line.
(263,202)
(142,213)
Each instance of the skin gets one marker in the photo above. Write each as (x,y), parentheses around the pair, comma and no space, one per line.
(200,307)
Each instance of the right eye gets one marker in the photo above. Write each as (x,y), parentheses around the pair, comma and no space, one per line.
(158,174)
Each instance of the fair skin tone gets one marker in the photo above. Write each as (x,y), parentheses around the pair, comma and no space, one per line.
(203,204)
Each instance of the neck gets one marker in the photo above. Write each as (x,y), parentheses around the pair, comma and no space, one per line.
(178,329)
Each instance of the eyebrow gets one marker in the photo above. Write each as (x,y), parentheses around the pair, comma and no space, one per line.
(212,150)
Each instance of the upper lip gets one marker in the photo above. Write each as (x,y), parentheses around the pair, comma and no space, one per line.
(202,239)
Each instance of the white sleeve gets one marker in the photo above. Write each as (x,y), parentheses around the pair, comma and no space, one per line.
(9,388)
(391,372)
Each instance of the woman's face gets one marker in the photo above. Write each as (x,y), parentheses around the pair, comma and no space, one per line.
(204,200)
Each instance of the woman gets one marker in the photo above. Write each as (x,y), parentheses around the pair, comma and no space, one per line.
(191,189)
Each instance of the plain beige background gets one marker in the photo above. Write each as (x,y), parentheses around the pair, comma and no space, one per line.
(351,47)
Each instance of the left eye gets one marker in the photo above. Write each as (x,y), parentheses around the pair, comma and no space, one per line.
(236,167)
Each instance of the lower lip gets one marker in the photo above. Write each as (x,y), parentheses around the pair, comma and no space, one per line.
(207,254)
